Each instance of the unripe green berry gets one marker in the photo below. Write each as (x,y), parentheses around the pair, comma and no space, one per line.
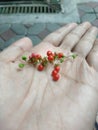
(21,65)
(24,58)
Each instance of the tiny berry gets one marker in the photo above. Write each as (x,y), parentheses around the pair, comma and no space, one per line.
(57,68)
(38,56)
(49,53)
(54,72)
(56,77)
(33,55)
(60,55)
(24,58)
(40,67)
(50,58)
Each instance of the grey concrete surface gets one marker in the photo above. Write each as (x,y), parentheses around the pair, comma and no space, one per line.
(69,13)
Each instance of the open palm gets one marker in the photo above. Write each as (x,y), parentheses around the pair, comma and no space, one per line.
(31,100)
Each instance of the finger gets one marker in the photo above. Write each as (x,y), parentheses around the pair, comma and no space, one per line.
(74,36)
(56,37)
(16,49)
(93,56)
(86,43)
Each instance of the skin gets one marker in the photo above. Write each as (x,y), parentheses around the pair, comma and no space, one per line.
(31,100)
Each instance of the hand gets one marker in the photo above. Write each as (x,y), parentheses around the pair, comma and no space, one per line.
(30,100)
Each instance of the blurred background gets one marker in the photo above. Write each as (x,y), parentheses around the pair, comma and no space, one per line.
(37,18)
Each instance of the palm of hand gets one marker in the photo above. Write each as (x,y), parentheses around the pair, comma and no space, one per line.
(31,100)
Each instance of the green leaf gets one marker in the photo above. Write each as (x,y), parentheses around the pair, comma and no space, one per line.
(56,65)
(55,57)
(24,58)
(21,65)
(61,60)
(63,56)
(35,62)
(74,56)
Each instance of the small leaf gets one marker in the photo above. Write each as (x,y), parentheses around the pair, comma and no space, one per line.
(56,65)
(63,56)
(61,60)
(21,65)
(74,56)
(35,63)
(55,57)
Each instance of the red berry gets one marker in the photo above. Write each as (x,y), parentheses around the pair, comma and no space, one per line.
(49,53)
(56,77)
(57,68)
(54,72)
(60,54)
(40,67)
(38,56)
(50,58)
(33,55)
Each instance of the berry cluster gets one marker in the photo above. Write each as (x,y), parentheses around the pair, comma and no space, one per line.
(41,62)
(55,73)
